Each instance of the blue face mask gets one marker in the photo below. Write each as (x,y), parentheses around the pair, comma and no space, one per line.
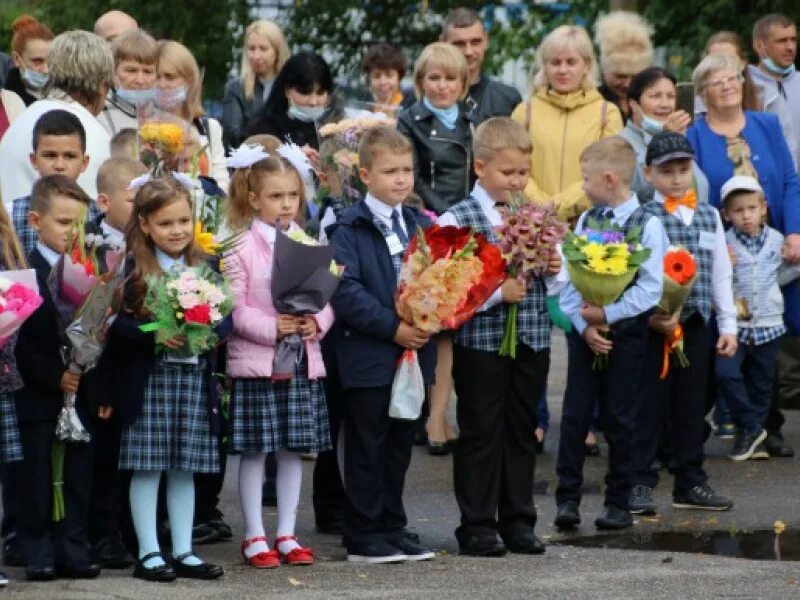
(773,68)
(33,79)
(651,126)
(307,114)
(137,97)
(170,99)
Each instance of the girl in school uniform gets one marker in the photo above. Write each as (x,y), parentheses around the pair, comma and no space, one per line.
(168,403)
(286,417)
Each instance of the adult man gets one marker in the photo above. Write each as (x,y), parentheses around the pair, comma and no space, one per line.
(775,42)
(486,98)
(113,23)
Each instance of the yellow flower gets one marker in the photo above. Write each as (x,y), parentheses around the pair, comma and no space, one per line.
(617,264)
(594,251)
(779,527)
(205,240)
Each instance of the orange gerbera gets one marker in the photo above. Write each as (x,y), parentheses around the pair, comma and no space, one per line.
(679,266)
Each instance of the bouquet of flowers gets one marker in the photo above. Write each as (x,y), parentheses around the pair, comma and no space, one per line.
(448,273)
(19,298)
(163,139)
(190,302)
(528,237)
(680,271)
(602,260)
(304,278)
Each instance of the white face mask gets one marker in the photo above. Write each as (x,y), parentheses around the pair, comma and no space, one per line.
(33,80)
(307,114)
(170,99)
(137,97)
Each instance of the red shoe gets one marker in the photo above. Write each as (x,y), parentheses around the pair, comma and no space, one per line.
(297,556)
(263,560)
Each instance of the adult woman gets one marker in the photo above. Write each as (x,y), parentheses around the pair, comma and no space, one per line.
(81,71)
(564,115)
(651,97)
(178,90)
(265,52)
(384,67)
(730,43)
(625,49)
(30,45)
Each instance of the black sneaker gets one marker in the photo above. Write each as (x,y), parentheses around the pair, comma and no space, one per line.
(414,552)
(746,443)
(224,531)
(701,497)
(641,502)
(374,553)
(203,533)
(776,447)
(3,579)
(760,453)
(567,515)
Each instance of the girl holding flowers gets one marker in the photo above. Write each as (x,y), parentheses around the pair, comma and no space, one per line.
(286,417)
(167,400)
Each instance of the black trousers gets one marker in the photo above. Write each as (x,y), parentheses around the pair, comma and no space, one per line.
(377,452)
(495,454)
(207,490)
(682,396)
(619,388)
(108,497)
(41,541)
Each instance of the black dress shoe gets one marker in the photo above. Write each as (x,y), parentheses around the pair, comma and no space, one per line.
(481,545)
(613,518)
(160,574)
(11,554)
(567,515)
(204,533)
(224,531)
(440,448)
(775,446)
(523,542)
(111,553)
(33,573)
(204,570)
(87,571)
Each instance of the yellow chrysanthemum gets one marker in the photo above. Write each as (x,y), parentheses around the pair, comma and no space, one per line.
(594,251)
(616,265)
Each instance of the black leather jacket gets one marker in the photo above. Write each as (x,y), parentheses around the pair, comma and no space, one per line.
(489,98)
(442,157)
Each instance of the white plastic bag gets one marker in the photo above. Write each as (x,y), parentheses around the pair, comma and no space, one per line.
(408,388)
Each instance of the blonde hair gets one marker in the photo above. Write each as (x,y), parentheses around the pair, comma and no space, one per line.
(381,139)
(136,45)
(710,65)
(441,55)
(275,36)
(11,253)
(500,133)
(613,154)
(182,61)
(116,174)
(624,42)
(251,180)
(556,41)
(268,142)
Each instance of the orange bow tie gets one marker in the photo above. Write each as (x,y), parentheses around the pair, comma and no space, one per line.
(689,200)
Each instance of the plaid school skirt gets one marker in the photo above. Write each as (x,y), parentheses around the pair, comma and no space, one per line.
(10,444)
(173,432)
(267,416)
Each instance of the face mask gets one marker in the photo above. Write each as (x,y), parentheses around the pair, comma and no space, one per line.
(651,126)
(772,67)
(136,97)
(33,79)
(170,98)
(307,114)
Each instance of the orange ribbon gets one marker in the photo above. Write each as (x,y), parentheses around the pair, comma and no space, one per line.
(671,342)
(689,200)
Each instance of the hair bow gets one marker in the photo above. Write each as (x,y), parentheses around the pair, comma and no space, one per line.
(295,155)
(182,178)
(246,156)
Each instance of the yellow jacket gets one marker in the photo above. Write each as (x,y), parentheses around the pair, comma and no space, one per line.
(561,126)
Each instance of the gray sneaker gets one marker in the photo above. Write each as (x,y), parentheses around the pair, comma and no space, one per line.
(641,502)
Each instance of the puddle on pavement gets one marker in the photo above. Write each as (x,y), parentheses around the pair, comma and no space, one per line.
(757,545)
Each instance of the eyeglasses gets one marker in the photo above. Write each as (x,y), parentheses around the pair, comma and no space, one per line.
(718,84)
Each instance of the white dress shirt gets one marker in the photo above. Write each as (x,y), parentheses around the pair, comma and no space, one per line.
(50,255)
(384,212)
(112,234)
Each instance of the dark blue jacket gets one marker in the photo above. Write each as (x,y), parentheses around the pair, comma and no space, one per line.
(364,301)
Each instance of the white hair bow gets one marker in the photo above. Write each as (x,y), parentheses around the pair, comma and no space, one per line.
(295,155)
(246,156)
(182,178)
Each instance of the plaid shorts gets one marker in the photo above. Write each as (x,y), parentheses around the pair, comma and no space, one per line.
(173,432)
(267,416)
(10,444)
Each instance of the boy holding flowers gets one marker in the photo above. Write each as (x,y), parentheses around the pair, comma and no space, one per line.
(682,392)
(615,334)
(495,454)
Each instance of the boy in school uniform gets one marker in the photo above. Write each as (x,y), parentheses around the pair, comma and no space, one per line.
(619,330)
(50,549)
(682,393)
(495,454)
(747,378)
(369,240)
(59,147)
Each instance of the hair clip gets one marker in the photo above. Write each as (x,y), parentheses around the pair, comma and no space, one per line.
(246,156)
(295,155)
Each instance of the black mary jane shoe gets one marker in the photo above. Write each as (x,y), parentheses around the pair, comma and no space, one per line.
(204,570)
(160,574)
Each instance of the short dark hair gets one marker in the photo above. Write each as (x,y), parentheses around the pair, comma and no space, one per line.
(460,17)
(384,56)
(762,28)
(51,185)
(58,122)
(647,78)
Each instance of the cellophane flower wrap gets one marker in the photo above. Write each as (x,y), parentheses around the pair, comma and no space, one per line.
(19,298)
(680,272)
(190,302)
(163,140)
(527,238)
(602,260)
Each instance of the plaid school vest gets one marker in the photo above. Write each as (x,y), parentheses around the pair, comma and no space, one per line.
(397,259)
(485,330)
(704,221)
